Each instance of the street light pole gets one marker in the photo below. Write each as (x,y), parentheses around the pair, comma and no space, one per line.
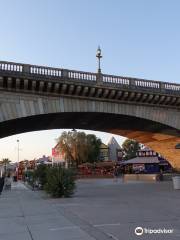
(18,149)
(17,168)
(99,56)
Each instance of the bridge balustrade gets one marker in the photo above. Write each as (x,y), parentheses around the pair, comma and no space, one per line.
(126,82)
(45,71)
(173,87)
(14,67)
(147,84)
(115,79)
(82,75)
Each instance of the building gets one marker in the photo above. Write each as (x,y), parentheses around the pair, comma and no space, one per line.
(147,161)
(58,156)
(104,152)
(115,151)
(44,160)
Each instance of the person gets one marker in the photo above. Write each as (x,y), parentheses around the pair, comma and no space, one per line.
(15,178)
(1,184)
(35,185)
(161,175)
(7,183)
(115,173)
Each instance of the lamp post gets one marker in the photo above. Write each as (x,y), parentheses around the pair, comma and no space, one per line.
(75,142)
(18,150)
(17,172)
(99,56)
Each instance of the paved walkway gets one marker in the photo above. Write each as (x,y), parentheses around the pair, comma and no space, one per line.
(100,210)
(25,215)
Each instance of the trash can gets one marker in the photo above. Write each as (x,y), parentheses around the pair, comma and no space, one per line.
(176,182)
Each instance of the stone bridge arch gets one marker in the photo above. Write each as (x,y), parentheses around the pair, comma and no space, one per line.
(154,126)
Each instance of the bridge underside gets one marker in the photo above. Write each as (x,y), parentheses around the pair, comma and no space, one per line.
(159,137)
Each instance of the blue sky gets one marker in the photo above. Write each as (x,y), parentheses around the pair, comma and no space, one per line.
(138,38)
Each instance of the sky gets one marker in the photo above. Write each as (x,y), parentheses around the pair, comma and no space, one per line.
(138,38)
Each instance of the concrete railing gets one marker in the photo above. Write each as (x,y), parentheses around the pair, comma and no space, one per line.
(45,71)
(82,75)
(116,79)
(132,83)
(10,66)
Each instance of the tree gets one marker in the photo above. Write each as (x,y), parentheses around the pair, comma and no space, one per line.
(79,147)
(130,148)
(65,144)
(5,162)
(94,145)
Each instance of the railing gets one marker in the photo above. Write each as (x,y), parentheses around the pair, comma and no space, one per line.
(147,84)
(141,83)
(170,86)
(8,66)
(82,75)
(45,71)
(133,83)
(115,79)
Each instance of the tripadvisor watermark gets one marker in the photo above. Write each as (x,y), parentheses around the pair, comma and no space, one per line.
(140,231)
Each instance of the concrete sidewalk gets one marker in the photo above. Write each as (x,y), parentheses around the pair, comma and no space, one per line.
(101,209)
(24,215)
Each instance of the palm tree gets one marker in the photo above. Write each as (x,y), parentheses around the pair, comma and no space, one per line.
(5,162)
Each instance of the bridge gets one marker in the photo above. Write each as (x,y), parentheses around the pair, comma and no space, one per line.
(38,98)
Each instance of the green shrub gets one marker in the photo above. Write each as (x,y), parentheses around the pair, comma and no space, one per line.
(40,174)
(60,182)
(30,177)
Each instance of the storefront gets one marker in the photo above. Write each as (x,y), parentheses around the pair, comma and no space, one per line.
(147,161)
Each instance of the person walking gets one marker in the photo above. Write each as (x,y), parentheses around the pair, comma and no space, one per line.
(7,182)
(1,184)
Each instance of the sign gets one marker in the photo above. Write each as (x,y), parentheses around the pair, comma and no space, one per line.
(58,156)
(138,167)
